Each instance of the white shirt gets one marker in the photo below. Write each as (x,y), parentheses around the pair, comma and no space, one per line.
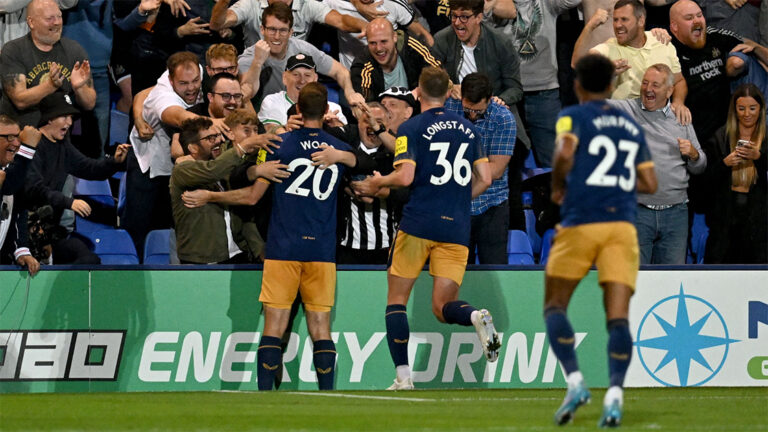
(468,64)
(274,109)
(155,154)
(401,15)
(305,13)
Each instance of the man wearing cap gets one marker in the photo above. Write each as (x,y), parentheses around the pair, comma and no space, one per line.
(399,103)
(299,71)
(42,62)
(497,128)
(56,158)
(394,59)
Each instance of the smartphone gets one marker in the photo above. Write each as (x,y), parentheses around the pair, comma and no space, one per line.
(740,143)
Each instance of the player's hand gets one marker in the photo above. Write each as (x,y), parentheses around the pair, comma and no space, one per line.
(733,159)
(178,7)
(621,66)
(370,11)
(81,208)
(193,27)
(121,152)
(599,18)
(261,52)
(294,122)
(661,35)
(28,261)
(748,151)
(687,149)
(682,113)
(261,141)
(143,128)
(273,171)
(326,157)
(557,196)
(30,136)
(195,198)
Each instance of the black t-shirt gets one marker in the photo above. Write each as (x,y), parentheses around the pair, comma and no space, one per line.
(436,12)
(708,86)
(21,57)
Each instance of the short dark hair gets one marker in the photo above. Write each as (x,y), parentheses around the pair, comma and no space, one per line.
(241,116)
(594,72)
(637,7)
(190,131)
(476,87)
(279,10)
(313,100)
(7,121)
(181,58)
(434,82)
(476,6)
(220,76)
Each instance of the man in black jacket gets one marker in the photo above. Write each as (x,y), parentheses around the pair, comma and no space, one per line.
(394,59)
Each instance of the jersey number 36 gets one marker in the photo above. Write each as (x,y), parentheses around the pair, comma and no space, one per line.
(460,170)
(600,176)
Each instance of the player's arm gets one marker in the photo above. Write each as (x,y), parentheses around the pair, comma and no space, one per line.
(646,178)
(481,176)
(244,196)
(565,147)
(329,156)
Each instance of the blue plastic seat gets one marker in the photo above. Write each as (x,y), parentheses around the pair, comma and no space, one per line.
(699,234)
(113,246)
(85,226)
(97,190)
(530,228)
(118,128)
(546,245)
(519,250)
(157,247)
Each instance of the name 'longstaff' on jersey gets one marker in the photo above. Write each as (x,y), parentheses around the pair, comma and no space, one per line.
(443,125)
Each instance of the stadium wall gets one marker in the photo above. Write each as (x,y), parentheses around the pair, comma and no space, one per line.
(129,329)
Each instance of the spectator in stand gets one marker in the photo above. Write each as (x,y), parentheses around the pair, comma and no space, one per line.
(739,16)
(738,233)
(632,51)
(136,60)
(17,148)
(306,13)
(399,103)
(662,217)
(496,126)
(41,63)
(272,53)
(384,65)
(56,158)
(13,18)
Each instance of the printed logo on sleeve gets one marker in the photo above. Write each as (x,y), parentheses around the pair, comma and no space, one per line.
(401,145)
(564,124)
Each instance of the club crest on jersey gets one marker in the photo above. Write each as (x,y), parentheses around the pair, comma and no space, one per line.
(401,145)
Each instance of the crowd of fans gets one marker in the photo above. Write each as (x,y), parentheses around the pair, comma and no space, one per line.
(209,88)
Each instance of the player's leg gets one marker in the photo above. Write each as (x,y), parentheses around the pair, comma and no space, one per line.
(447,269)
(279,285)
(317,288)
(617,267)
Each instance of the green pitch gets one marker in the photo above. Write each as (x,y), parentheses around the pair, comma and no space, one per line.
(706,409)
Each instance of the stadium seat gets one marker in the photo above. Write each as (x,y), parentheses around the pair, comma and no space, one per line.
(95,190)
(546,245)
(519,248)
(113,246)
(118,128)
(530,161)
(530,228)
(333,93)
(157,247)
(699,234)
(121,196)
(83,225)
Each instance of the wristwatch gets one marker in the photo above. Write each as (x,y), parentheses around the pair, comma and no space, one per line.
(380,130)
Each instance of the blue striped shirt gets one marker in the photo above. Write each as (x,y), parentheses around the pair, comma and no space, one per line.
(497,131)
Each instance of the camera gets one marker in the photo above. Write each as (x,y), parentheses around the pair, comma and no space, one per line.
(43,232)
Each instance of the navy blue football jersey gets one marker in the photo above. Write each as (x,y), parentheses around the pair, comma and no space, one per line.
(601,186)
(444,147)
(302,225)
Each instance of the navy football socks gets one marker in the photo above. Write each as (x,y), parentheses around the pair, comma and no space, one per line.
(458,312)
(268,359)
(324,357)
(561,338)
(619,350)
(397,333)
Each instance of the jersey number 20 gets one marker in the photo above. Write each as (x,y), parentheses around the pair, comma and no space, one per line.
(600,176)
(460,170)
(317,176)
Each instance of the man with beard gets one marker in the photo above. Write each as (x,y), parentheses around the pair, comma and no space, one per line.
(41,63)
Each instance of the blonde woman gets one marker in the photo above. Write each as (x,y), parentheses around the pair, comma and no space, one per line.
(738,221)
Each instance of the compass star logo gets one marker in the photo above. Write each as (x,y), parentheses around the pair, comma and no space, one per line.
(683,341)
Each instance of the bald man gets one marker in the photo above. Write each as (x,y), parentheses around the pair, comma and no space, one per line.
(384,66)
(41,63)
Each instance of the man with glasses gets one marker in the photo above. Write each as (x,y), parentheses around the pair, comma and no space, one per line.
(496,126)
(16,151)
(299,71)
(272,53)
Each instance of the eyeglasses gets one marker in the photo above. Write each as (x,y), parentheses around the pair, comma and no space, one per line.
(237,97)
(212,138)
(10,137)
(462,18)
(228,69)
(274,30)
(478,113)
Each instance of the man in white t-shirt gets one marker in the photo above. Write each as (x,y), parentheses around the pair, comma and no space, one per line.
(299,71)
(271,54)
(305,13)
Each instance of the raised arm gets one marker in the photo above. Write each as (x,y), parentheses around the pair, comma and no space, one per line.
(222,17)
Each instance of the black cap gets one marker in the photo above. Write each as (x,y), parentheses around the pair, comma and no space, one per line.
(56,105)
(300,60)
(401,93)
